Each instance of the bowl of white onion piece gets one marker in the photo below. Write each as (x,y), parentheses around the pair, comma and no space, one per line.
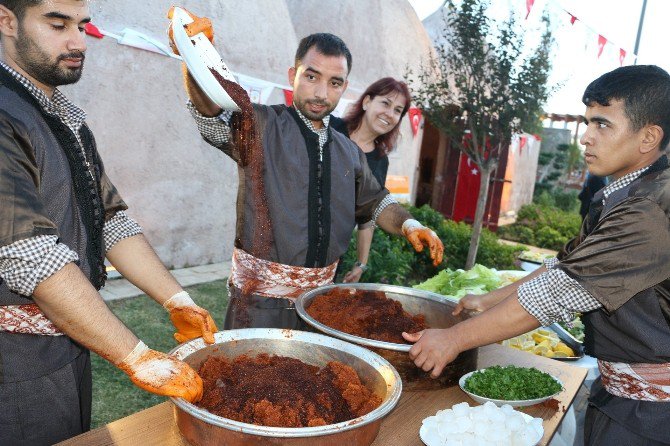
(485,425)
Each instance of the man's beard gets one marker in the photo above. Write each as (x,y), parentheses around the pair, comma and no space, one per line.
(302,106)
(37,64)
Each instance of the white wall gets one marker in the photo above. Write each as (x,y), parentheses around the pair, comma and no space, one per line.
(179,188)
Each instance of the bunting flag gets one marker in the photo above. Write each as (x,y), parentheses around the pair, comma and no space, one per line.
(602,41)
(92,30)
(522,142)
(415,119)
(258,90)
(529,6)
(288,97)
(130,37)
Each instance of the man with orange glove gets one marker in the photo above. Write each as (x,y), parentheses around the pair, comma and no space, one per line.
(59,217)
(317,184)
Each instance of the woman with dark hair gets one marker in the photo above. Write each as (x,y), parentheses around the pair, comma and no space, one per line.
(373,124)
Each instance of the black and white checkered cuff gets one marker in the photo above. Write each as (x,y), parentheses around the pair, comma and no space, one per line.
(387,200)
(215,129)
(551,262)
(554,296)
(117,228)
(26,263)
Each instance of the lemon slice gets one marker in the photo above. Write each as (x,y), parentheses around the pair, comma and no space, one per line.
(561,347)
(541,350)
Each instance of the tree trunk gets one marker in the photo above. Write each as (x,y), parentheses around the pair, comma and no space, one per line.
(484,183)
(438,178)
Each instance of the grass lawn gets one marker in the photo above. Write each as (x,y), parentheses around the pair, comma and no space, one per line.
(114,396)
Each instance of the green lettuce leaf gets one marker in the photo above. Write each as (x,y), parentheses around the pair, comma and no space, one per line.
(458,283)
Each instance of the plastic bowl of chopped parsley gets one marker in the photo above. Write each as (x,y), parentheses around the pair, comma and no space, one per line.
(516,386)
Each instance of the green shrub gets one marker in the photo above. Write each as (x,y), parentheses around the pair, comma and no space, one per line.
(554,197)
(392,259)
(516,232)
(567,201)
(544,198)
(550,237)
(543,226)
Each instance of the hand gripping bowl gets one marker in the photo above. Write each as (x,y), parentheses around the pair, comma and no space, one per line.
(437,310)
(202,428)
(200,56)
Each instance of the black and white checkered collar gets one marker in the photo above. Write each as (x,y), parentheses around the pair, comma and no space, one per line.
(623,182)
(59,105)
(322,133)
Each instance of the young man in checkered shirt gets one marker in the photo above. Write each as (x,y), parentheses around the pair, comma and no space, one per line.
(616,272)
(59,217)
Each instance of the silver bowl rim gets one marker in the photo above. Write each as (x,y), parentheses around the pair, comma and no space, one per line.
(306,297)
(380,364)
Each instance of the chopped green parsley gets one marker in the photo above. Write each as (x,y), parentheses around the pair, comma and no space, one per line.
(511,383)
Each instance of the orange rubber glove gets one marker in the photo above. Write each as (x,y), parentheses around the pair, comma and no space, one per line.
(190,320)
(199,25)
(161,374)
(418,235)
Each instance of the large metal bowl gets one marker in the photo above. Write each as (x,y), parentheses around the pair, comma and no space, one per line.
(437,310)
(202,428)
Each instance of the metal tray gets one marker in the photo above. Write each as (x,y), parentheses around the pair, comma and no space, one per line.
(569,340)
(437,310)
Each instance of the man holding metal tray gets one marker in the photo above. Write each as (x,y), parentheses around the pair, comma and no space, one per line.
(616,272)
(317,183)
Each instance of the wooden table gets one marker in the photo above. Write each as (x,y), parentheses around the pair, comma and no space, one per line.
(155,426)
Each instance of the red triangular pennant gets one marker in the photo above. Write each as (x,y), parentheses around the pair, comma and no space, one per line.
(602,41)
(415,119)
(288,97)
(573,19)
(622,56)
(529,6)
(93,30)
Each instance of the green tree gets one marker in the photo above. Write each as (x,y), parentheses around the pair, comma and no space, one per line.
(482,87)
(575,159)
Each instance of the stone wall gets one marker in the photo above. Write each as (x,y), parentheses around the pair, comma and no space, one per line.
(178,187)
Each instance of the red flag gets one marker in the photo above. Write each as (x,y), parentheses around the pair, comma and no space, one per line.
(93,30)
(288,97)
(522,142)
(415,119)
(602,41)
(622,56)
(529,6)
(573,19)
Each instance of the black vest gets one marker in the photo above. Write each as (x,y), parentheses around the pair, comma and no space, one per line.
(638,331)
(71,199)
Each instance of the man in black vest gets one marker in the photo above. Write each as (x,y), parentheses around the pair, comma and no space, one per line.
(317,185)
(616,272)
(59,217)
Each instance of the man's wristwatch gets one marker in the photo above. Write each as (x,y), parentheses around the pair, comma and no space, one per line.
(362,266)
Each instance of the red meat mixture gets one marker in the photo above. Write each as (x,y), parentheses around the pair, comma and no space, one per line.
(283,392)
(368,314)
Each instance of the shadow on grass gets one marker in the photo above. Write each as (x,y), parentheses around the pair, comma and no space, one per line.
(114,396)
